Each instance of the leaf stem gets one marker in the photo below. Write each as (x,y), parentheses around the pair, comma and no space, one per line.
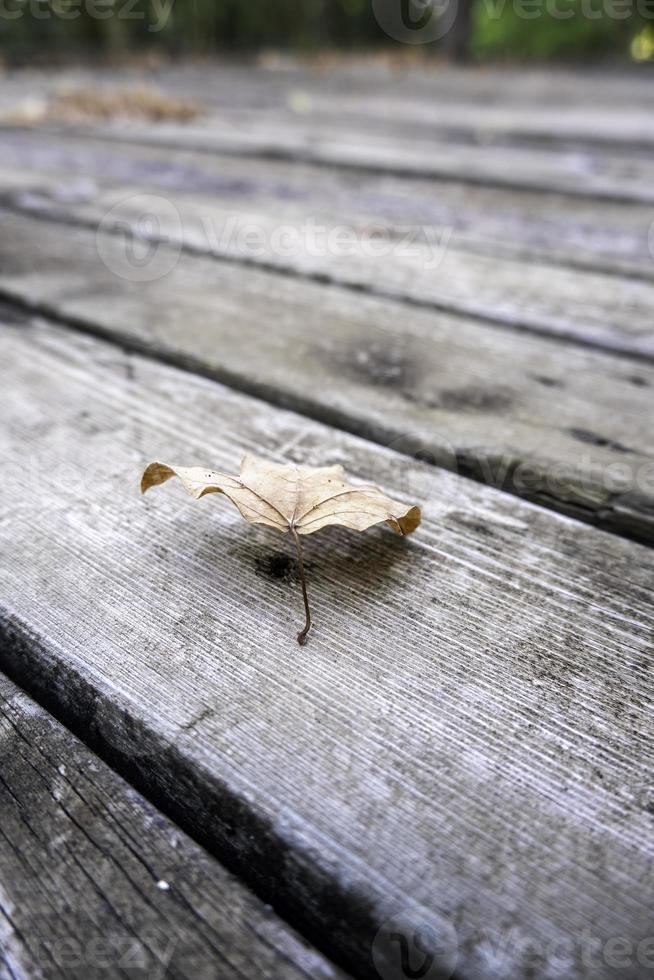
(302,635)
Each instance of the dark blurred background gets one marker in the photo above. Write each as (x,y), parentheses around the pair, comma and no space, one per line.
(485,30)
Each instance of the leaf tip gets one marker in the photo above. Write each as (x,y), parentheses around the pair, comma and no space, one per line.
(409,521)
(154,474)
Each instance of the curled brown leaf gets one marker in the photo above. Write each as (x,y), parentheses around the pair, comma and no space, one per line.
(290,498)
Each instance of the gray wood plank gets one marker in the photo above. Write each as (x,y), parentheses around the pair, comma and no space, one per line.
(305,232)
(271,79)
(573,107)
(600,174)
(418,264)
(482,124)
(584,146)
(95,882)
(568,427)
(467,731)
(573,232)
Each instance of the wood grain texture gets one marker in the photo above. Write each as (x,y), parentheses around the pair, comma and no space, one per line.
(568,427)
(599,175)
(466,118)
(573,232)
(499,128)
(467,731)
(270,81)
(420,263)
(95,882)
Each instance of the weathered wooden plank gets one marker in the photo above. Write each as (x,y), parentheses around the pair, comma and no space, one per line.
(581,106)
(95,882)
(560,230)
(304,230)
(468,120)
(367,120)
(466,732)
(580,171)
(446,139)
(568,427)
(418,263)
(272,80)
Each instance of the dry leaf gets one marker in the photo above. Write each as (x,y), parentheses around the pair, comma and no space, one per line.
(299,499)
(89,105)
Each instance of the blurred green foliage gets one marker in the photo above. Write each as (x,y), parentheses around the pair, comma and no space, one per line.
(499,29)
(552,29)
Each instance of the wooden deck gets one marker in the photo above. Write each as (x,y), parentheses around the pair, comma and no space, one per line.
(445,281)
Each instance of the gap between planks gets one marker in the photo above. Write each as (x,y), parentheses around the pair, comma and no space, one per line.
(96,882)
(356,365)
